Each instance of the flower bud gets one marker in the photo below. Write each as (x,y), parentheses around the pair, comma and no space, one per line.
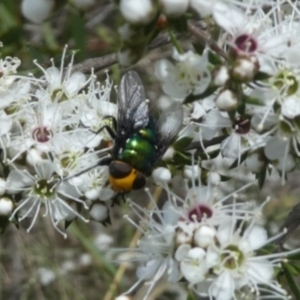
(161,175)
(220,76)
(174,8)
(137,12)
(214,178)
(6,206)
(227,101)
(123,297)
(99,212)
(37,11)
(244,69)
(204,236)
(169,154)
(191,172)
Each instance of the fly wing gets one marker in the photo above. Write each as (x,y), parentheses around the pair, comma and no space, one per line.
(168,126)
(133,112)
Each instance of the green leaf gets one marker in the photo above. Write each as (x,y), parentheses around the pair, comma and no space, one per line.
(79,35)
(199,48)
(182,158)
(68,223)
(49,36)
(261,177)
(215,59)
(295,256)
(297,268)
(191,296)
(172,169)
(209,91)
(211,155)
(288,271)
(182,143)
(253,100)
(35,53)
(179,24)
(225,178)
(261,76)
(241,108)
(8,20)
(12,35)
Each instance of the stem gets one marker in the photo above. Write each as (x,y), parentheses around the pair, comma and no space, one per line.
(205,39)
(122,269)
(175,42)
(106,61)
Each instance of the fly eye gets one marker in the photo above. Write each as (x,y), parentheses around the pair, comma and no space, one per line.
(139,182)
(118,169)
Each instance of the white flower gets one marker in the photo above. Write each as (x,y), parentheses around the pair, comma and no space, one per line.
(193,266)
(156,248)
(42,189)
(254,35)
(203,205)
(94,113)
(69,153)
(241,139)
(93,184)
(61,84)
(189,74)
(237,264)
(40,124)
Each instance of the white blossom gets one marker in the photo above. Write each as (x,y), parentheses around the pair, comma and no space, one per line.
(189,74)
(43,189)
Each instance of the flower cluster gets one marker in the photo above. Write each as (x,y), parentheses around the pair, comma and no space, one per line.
(245,90)
(213,244)
(49,132)
(236,81)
